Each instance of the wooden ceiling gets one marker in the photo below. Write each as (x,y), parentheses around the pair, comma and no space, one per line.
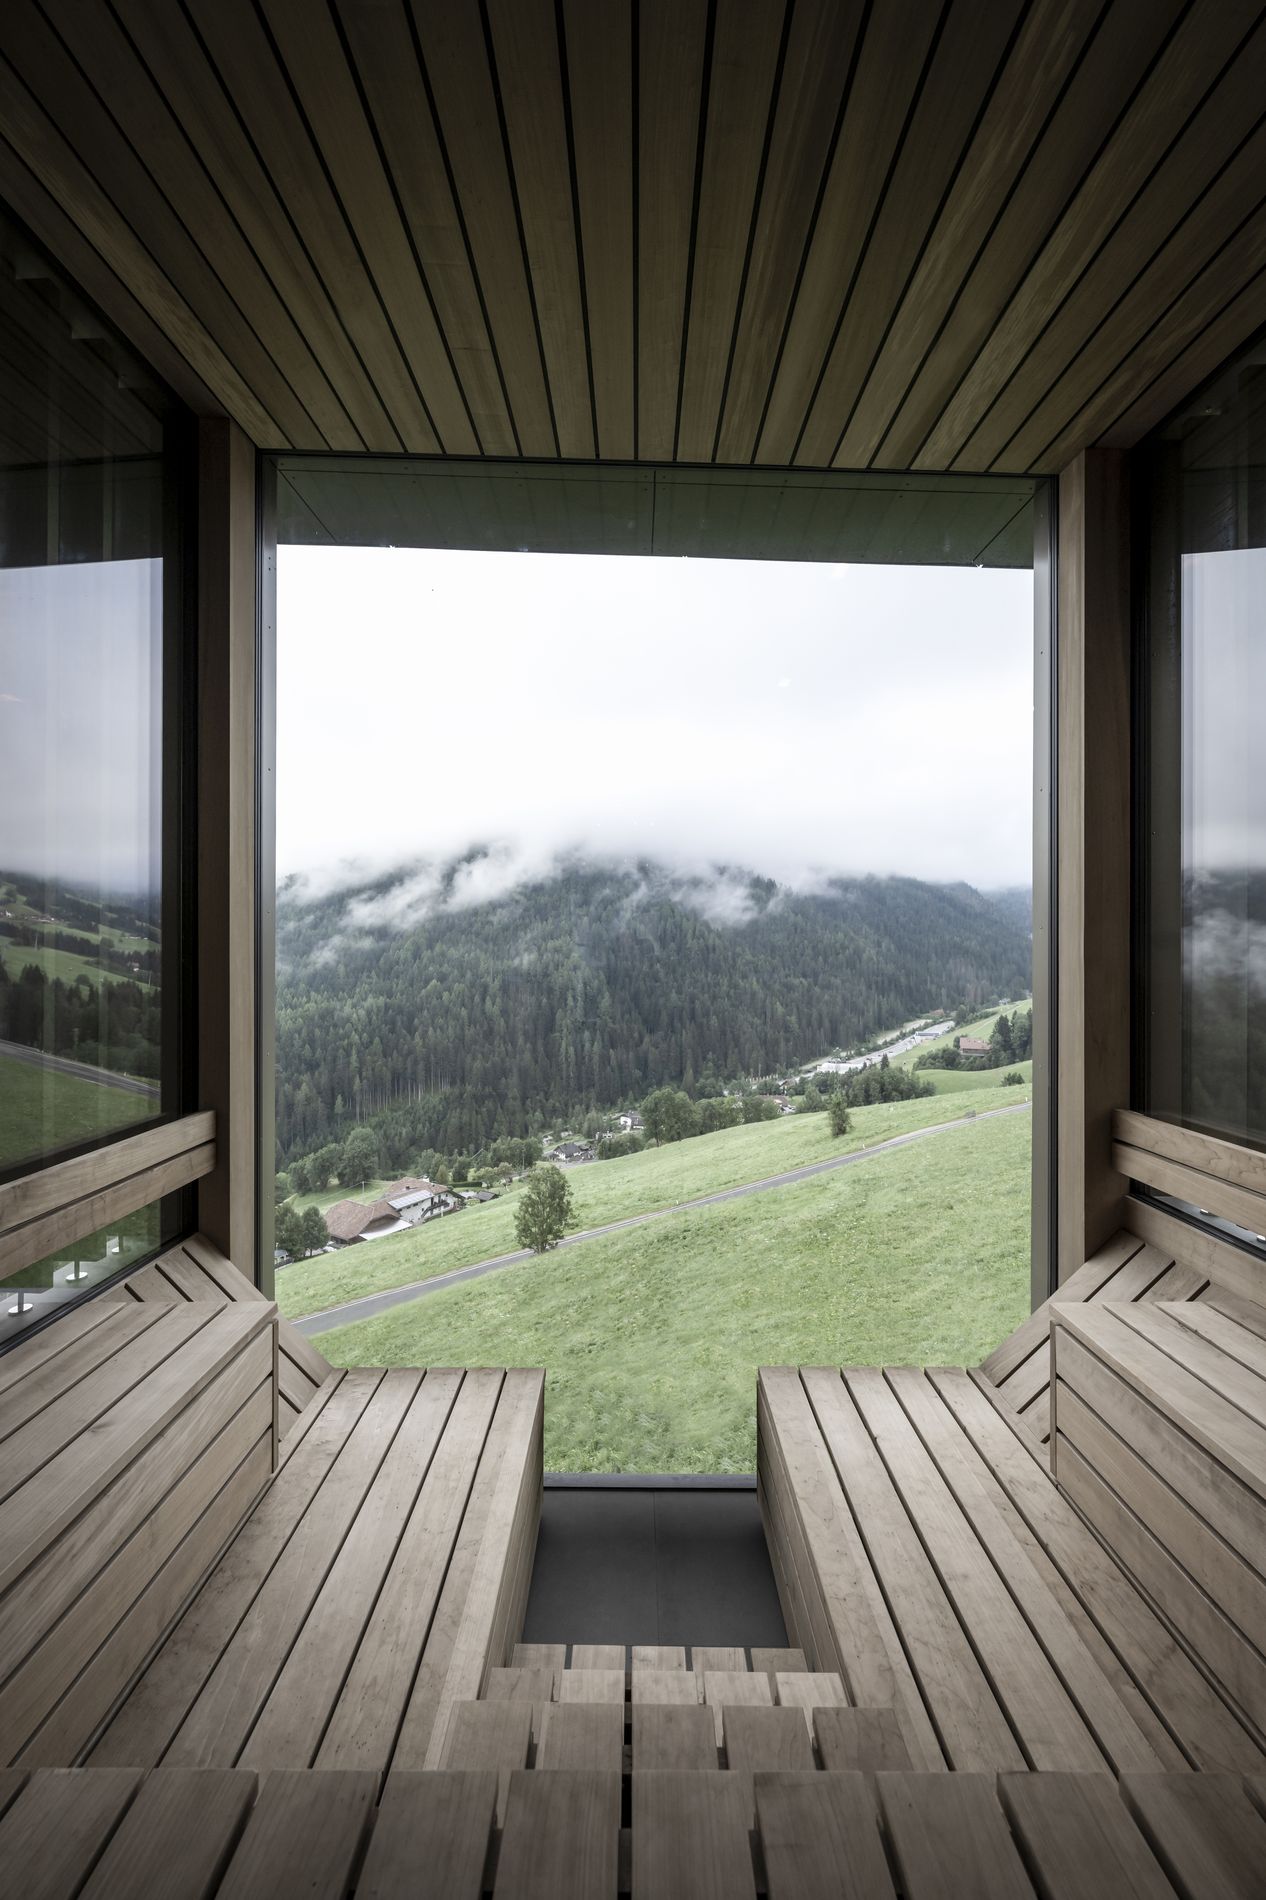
(889,234)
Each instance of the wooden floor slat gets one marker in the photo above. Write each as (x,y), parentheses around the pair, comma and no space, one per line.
(561,1836)
(177,1836)
(440,1822)
(690,1837)
(820,1838)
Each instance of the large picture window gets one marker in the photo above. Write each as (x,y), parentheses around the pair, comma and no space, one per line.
(1202,912)
(92,812)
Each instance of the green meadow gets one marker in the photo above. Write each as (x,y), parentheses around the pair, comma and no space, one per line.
(610,1190)
(651,1337)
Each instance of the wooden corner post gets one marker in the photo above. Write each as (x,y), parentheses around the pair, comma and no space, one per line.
(1093,795)
(226,833)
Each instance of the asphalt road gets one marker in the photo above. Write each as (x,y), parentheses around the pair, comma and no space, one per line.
(371,1304)
(63,1065)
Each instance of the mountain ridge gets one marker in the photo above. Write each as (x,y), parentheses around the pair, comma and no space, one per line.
(453,1004)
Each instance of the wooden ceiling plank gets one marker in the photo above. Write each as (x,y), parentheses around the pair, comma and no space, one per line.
(670,77)
(146,119)
(1000,161)
(1109,341)
(243,57)
(80,199)
(383,49)
(140,203)
(1128,39)
(964,70)
(820,51)
(321,76)
(1226,333)
(455,57)
(1171,219)
(894,46)
(525,42)
(196,99)
(32,407)
(1182,337)
(598,40)
(1190,62)
(26,194)
(67,390)
(48,359)
(744,57)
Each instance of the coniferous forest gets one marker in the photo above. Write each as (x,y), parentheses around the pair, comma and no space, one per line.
(448,1023)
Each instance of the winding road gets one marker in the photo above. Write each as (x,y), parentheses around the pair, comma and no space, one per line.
(85,1071)
(371,1304)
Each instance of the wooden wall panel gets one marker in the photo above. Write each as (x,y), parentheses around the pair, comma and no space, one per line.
(1093,849)
(226,834)
(933,233)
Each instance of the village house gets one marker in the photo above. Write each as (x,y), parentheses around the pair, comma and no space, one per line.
(350,1221)
(570,1153)
(972,1046)
(631,1123)
(417,1199)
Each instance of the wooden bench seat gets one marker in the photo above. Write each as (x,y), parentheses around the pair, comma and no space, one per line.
(1128,1269)
(134,1440)
(1160,1441)
(380,1578)
(195,1270)
(923,1551)
(230,1834)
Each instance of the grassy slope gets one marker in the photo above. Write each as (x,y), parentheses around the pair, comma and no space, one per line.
(652,1337)
(959,1081)
(42,1109)
(610,1190)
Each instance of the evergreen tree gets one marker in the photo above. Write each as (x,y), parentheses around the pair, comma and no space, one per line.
(837,1108)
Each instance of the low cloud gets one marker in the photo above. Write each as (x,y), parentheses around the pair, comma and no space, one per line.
(806,720)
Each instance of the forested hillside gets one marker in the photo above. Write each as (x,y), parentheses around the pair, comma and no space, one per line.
(449,1022)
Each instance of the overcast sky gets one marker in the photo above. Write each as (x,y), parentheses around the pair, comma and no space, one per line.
(795,719)
(80,708)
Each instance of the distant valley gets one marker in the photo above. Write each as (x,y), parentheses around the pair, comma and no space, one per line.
(448,1010)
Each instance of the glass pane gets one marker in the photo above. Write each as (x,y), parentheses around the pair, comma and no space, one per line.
(83,1013)
(31,1294)
(1204,1041)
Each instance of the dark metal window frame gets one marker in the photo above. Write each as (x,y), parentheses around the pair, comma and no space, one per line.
(1044,1208)
(179,1051)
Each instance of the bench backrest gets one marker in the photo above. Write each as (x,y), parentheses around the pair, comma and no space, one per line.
(134,1438)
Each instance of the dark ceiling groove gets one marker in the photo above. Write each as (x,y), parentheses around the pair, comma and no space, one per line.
(1101,156)
(973,263)
(208,172)
(846,96)
(508,156)
(771,117)
(1199,107)
(336,196)
(317,275)
(705,91)
(369,243)
(860,260)
(930,229)
(405,225)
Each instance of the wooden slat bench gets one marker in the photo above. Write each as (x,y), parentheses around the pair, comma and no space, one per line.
(381,1577)
(195,1270)
(1128,1269)
(134,1440)
(1160,1441)
(1157,1256)
(228,1834)
(923,1552)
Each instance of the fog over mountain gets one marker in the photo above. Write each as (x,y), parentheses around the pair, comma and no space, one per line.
(808,720)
